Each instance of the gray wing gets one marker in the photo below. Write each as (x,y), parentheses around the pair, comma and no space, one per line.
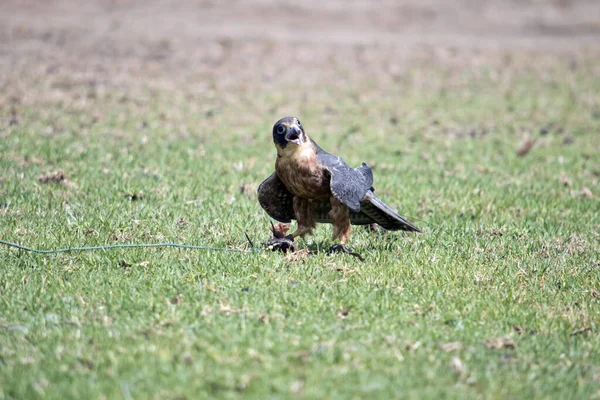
(383,215)
(348,185)
(372,211)
(276,200)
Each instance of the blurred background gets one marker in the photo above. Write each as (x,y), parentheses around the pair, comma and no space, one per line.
(380,67)
(257,41)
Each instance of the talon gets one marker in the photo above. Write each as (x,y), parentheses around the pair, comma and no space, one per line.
(283,244)
(340,248)
(280,230)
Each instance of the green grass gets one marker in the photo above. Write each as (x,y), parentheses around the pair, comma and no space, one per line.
(509,250)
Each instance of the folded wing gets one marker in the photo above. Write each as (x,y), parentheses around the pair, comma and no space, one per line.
(383,215)
(349,185)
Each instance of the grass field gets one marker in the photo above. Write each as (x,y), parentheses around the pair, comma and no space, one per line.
(499,297)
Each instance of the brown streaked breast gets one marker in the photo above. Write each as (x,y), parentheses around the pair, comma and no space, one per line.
(302,174)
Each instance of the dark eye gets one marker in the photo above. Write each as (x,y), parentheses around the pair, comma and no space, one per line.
(299,124)
(281,129)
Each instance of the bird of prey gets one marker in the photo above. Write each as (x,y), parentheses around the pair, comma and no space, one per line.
(313,186)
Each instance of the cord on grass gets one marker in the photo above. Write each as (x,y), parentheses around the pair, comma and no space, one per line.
(252,249)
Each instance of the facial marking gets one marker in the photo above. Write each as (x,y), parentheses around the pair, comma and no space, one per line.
(288,131)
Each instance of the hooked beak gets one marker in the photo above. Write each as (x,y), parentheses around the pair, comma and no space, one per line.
(294,134)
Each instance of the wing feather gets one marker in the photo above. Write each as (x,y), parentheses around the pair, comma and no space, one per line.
(276,200)
(348,185)
(383,215)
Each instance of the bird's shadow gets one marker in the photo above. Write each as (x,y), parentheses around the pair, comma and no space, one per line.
(377,241)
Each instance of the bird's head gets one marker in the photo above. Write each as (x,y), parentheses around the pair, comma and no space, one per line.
(287,131)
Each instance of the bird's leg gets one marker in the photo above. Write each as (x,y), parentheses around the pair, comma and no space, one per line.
(304,210)
(301,231)
(340,217)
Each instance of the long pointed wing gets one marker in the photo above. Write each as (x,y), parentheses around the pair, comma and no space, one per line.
(383,215)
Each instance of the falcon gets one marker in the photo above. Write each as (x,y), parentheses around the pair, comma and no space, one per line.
(312,186)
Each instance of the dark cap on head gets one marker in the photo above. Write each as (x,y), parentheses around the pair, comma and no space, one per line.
(288,130)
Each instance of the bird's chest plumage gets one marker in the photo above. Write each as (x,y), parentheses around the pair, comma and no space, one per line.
(302,174)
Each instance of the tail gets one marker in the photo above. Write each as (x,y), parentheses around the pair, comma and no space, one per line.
(383,215)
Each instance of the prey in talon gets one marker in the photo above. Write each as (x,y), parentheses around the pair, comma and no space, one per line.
(312,186)
(280,241)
